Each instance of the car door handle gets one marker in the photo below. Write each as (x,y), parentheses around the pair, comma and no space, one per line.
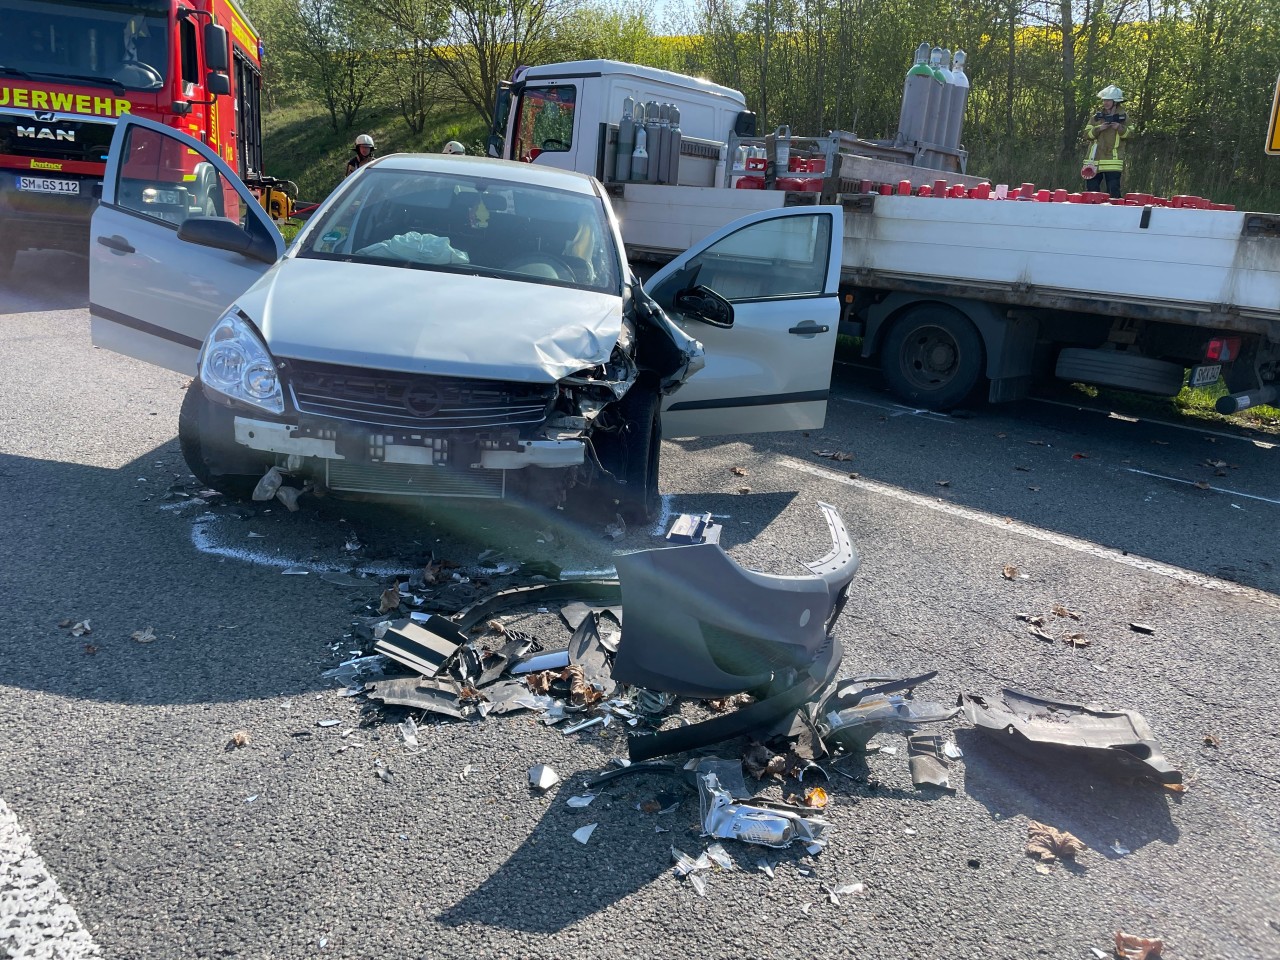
(117,243)
(808,329)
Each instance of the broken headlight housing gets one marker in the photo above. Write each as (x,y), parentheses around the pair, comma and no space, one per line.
(235,363)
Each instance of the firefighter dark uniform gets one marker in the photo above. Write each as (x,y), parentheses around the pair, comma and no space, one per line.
(1107,130)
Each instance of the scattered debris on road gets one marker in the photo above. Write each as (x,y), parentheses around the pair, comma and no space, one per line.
(542,777)
(239,739)
(1141,628)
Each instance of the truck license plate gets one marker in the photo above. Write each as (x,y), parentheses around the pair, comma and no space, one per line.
(48,185)
(1205,375)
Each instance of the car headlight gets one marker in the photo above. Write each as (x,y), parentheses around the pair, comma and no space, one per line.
(236,364)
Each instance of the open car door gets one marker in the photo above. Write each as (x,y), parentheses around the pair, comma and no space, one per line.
(769,349)
(176,238)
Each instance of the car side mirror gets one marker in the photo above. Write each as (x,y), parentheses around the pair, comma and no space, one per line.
(705,305)
(224,234)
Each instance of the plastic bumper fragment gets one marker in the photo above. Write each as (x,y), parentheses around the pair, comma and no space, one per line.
(1049,730)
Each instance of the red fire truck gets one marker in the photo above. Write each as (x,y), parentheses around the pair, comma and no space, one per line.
(69,68)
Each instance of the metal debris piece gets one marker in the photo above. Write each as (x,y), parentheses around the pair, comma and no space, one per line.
(584,800)
(837,455)
(418,693)
(350,672)
(384,772)
(1120,848)
(252,797)
(694,528)
(1142,628)
(423,646)
(928,768)
(766,868)
(327,723)
(859,708)
(542,777)
(952,751)
(295,571)
(583,725)
(1048,844)
(583,834)
(1100,954)
(587,653)
(1049,730)
(268,486)
(721,817)
(1131,947)
(686,866)
(81,629)
(728,774)
(143,636)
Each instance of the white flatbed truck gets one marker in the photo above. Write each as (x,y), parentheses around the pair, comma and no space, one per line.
(949,293)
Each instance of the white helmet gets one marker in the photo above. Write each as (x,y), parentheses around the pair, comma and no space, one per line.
(453,146)
(1111,93)
(364,140)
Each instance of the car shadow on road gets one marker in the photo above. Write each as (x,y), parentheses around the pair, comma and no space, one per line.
(1068,795)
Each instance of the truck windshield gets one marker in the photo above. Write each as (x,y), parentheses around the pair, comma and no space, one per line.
(118,43)
(479,225)
(545,121)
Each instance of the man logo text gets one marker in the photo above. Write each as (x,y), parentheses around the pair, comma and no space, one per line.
(44,133)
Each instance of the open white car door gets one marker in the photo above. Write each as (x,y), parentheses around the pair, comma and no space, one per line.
(176,238)
(771,368)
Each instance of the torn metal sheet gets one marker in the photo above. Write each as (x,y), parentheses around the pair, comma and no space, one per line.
(350,672)
(728,774)
(1118,740)
(419,694)
(701,625)
(424,646)
(858,709)
(511,695)
(722,818)
(928,768)
(519,647)
(557,591)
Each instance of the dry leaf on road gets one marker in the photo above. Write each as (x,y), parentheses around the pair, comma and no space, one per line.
(1132,947)
(1060,611)
(739,471)
(1048,844)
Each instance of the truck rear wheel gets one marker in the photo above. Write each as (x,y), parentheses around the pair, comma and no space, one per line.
(1109,367)
(932,357)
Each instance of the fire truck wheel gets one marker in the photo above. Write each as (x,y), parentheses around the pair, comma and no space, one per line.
(198,439)
(933,357)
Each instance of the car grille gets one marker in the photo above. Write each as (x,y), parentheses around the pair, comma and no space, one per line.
(413,480)
(409,402)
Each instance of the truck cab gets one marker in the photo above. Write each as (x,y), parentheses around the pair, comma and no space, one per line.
(566,115)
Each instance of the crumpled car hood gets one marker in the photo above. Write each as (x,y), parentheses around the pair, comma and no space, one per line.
(431,322)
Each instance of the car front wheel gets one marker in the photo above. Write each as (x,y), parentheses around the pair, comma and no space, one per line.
(206,449)
(633,453)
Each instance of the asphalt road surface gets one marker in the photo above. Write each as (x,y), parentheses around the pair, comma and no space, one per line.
(128,827)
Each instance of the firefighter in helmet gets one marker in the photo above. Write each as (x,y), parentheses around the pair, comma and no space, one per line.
(1106,131)
(363,154)
(453,147)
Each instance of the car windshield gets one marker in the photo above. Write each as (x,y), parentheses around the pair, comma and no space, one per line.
(471,224)
(115,43)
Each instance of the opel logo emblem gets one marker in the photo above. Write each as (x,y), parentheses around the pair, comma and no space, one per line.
(422,399)
(44,116)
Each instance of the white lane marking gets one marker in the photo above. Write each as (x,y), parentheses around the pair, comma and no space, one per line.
(1192,483)
(205,540)
(1261,444)
(659,527)
(898,410)
(1037,533)
(36,919)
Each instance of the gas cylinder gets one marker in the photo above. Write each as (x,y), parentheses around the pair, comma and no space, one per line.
(640,156)
(626,141)
(782,149)
(942,104)
(915,97)
(674,136)
(958,91)
(652,140)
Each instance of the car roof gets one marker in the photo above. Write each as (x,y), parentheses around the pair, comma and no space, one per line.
(501,170)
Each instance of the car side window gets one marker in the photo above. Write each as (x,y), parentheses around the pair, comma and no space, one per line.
(783,257)
(163,180)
